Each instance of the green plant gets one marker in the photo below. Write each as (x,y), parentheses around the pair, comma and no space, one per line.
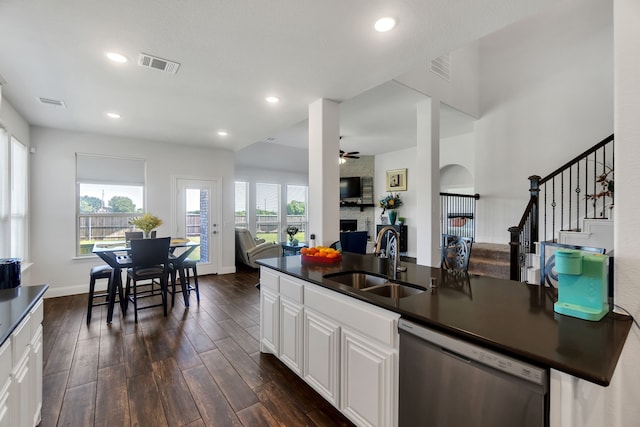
(146,222)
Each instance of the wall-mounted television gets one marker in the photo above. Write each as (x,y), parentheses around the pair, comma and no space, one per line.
(350,188)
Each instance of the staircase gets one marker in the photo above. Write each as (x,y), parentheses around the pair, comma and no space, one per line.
(489,259)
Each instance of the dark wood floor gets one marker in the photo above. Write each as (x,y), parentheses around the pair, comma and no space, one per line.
(198,366)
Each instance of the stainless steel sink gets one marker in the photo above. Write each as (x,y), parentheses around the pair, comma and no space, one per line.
(394,290)
(357,280)
(374,284)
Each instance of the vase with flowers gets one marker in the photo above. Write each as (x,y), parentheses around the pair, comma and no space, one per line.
(146,223)
(390,204)
(292,231)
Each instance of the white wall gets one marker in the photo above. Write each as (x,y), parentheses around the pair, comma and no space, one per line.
(53,193)
(399,160)
(546,95)
(461,92)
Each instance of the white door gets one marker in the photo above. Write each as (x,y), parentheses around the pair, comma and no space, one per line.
(197,218)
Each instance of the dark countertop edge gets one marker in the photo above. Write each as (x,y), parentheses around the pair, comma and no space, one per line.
(16,320)
(602,380)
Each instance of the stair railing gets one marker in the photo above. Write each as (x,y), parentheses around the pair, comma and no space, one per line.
(458,214)
(581,188)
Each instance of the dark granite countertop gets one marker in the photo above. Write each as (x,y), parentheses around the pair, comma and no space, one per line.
(15,304)
(511,317)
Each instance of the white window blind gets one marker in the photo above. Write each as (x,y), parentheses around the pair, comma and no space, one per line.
(96,169)
(4,194)
(19,198)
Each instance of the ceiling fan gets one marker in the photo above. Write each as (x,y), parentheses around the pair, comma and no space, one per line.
(349,154)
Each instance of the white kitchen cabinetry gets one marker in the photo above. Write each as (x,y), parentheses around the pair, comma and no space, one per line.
(291,324)
(269,311)
(21,373)
(368,372)
(321,347)
(5,382)
(346,349)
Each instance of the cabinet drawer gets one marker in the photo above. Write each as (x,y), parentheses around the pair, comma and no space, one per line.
(20,339)
(291,288)
(6,363)
(269,279)
(370,320)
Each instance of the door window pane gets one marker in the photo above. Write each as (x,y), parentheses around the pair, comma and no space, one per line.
(197,222)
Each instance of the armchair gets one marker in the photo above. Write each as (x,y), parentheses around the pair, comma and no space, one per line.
(248,250)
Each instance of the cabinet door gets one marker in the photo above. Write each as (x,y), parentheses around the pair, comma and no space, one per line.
(35,361)
(269,330)
(368,385)
(20,395)
(5,384)
(291,323)
(321,349)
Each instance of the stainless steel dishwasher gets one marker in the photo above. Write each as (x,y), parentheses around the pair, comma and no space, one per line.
(446,382)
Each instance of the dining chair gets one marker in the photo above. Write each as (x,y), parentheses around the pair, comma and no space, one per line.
(128,235)
(149,260)
(97,273)
(456,251)
(187,287)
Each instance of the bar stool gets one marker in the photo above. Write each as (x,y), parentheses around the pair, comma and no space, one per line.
(98,272)
(186,265)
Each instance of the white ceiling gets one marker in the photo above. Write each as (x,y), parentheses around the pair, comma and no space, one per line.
(232,55)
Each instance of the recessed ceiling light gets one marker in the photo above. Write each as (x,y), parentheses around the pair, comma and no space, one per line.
(116,57)
(113,115)
(385,24)
(272,99)
(222,133)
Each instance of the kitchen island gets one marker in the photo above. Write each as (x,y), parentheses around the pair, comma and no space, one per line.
(21,314)
(509,317)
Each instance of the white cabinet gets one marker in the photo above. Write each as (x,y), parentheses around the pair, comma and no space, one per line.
(346,349)
(21,373)
(368,380)
(5,382)
(321,347)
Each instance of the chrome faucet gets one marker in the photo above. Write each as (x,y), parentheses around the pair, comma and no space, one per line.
(392,249)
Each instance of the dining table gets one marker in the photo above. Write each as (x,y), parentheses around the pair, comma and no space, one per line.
(117,254)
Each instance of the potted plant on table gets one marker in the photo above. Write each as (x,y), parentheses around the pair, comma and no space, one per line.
(146,223)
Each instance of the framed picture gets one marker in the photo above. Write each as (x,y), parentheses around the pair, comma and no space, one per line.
(397,180)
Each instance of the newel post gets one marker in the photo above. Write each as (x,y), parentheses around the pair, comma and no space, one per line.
(534,191)
(514,253)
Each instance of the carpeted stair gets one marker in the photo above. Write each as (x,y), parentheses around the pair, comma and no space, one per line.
(490,259)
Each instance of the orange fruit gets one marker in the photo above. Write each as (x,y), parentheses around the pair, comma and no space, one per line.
(304,251)
(312,251)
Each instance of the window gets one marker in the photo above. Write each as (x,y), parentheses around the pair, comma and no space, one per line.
(297,209)
(110,191)
(5,190)
(267,212)
(19,199)
(241,204)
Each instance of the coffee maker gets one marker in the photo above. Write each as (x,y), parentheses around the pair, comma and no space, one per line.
(582,284)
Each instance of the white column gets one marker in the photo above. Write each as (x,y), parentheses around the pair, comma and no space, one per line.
(324,171)
(427,176)
(625,388)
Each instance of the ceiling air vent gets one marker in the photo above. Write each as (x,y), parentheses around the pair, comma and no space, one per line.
(53,102)
(146,60)
(441,66)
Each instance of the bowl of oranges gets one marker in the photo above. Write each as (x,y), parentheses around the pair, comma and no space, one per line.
(320,254)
